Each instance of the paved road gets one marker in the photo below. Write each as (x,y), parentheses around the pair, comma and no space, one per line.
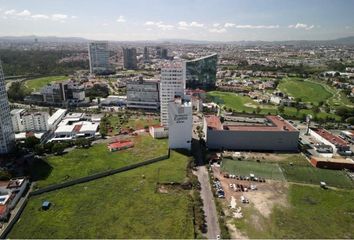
(209,204)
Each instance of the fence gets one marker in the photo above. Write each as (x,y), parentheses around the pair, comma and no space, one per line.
(77,181)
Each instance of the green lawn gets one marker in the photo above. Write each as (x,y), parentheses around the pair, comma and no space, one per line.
(37,83)
(311,175)
(246,104)
(137,123)
(308,91)
(124,205)
(312,213)
(83,162)
(260,169)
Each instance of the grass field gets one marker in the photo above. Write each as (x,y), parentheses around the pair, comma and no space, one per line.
(37,83)
(243,103)
(124,205)
(83,162)
(308,91)
(312,213)
(137,123)
(260,169)
(311,175)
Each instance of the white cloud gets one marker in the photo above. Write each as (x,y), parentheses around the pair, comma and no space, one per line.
(40,16)
(10,12)
(121,19)
(301,26)
(227,25)
(196,24)
(183,24)
(257,26)
(217,30)
(59,17)
(160,25)
(24,13)
(74,17)
(215,25)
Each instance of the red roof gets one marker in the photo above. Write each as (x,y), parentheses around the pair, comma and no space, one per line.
(121,144)
(330,137)
(3,209)
(77,128)
(213,122)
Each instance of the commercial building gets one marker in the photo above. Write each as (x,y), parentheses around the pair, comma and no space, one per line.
(77,125)
(7,136)
(322,135)
(59,94)
(99,57)
(129,58)
(201,72)
(143,94)
(172,83)
(146,55)
(270,134)
(55,119)
(180,123)
(23,121)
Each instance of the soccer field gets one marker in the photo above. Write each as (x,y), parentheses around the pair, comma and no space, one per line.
(37,83)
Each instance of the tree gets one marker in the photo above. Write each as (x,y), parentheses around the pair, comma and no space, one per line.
(39,149)
(350,120)
(18,91)
(281,109)
(58,148)
(31,142)
(258,110)
(83,142)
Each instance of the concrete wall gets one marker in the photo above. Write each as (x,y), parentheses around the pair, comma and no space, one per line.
(255,141)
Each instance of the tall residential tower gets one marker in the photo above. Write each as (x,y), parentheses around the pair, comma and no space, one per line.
(129,58)
(7,136)
(99,56)
(172,83)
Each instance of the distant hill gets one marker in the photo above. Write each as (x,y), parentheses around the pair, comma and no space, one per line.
(43,39)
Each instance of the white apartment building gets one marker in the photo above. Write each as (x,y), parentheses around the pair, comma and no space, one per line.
(180,124)
(7,136)
(98,57)
(143,94)
(172,83)
(23,121)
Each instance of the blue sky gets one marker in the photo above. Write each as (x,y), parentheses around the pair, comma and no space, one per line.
(221,20)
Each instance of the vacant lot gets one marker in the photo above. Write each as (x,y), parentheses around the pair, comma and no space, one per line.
(83,162)
(37,83)
(118,122)
(311,175)
(124,205)
(307,91)
(311,213)
(260,169)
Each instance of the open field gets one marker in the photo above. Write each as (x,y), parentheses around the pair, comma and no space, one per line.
(246,104)
(124,205)
(83,162)
(259,169)
(137,123)
(311,212)
(308,91)
(37,83)
(311,175)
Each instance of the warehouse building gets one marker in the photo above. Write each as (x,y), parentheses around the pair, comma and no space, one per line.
(270,134)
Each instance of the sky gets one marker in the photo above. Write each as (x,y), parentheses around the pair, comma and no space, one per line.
(213,20)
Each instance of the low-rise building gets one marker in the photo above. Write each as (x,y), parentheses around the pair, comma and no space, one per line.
(143,94)
(274,134)
(158,131)
(120,145)
(322,135)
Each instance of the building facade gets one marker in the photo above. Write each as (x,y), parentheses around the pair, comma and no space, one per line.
(201,72)
(276,134)
(129,58)
(99,57)
(143,94)
(172,83)
(23,121)
(7,136)
(180,122)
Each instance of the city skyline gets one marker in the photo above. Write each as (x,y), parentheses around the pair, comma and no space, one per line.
(196,20)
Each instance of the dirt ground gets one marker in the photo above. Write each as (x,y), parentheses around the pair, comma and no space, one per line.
(267,195)
(261,156)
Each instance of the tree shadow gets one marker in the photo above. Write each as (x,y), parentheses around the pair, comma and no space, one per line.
(38,169)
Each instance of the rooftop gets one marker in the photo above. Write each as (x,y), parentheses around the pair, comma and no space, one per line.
(120,144)
(56,115)
(330,137)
